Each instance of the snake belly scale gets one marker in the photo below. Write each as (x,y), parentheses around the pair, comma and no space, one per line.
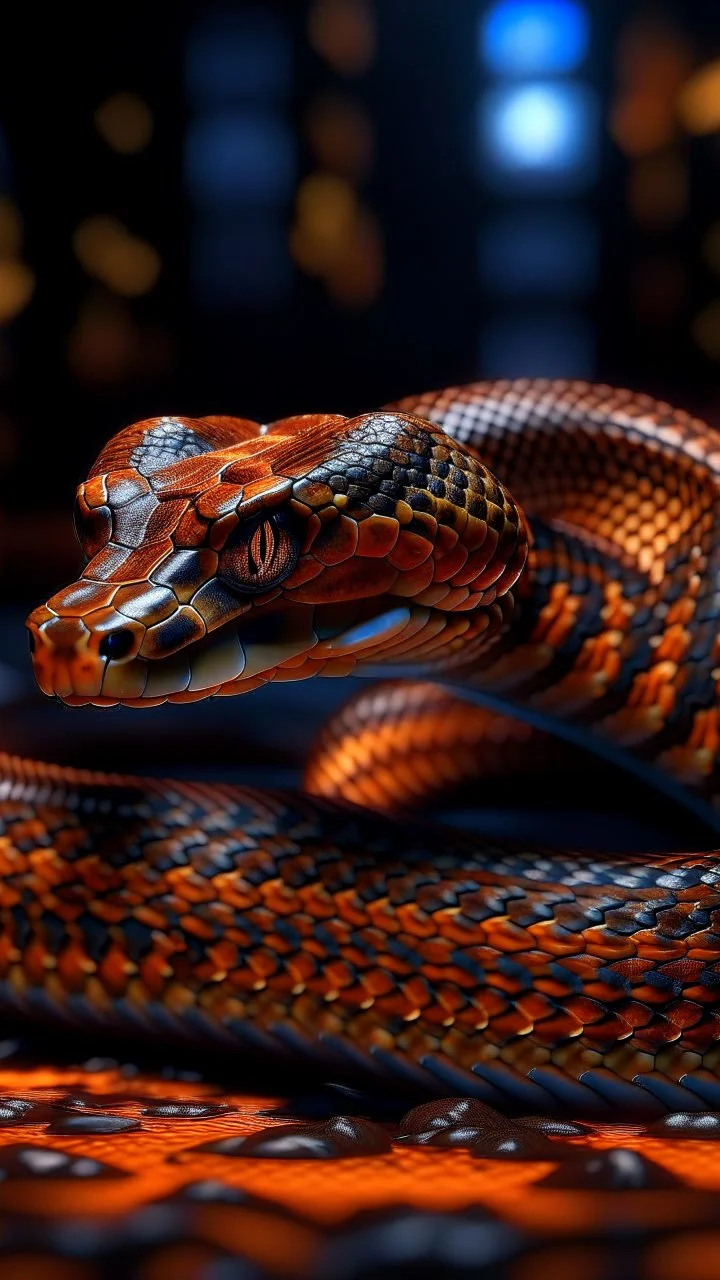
(579,588)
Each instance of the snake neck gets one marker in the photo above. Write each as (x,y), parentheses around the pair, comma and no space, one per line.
(593,650)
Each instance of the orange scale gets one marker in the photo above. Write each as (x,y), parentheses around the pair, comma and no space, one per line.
(73,967)
(94,492)
(313,493)
(267,491)
(307,569)
(112,971)
(313,525)
(337,541)
(476,565)
(413,582)
(163,521)
(361,576)
(652,947)
(220,530)
(184,479)
(410,551)
(450,562)
(377,535)
(139,564)
(120,486)
(702,1038)
(446,538)
(220,500)
(84,596)
(191,531)
(377,983)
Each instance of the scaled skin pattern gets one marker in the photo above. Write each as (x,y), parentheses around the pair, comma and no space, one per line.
(578,588)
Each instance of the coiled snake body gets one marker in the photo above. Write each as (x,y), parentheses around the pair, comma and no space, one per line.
(222,555)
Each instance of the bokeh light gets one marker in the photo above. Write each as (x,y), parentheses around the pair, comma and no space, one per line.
(343,33)
(326,211)
(539,253)
(125,123)
(109,252)
(335,238)
(240,56)
(17,281)
(17,284)
(534,37)
(699,101)
(11,228)
(107,346)
(239,158)
(653,62)
(356,278)
(658,190)
(543,130)
(102,346)
(340,136)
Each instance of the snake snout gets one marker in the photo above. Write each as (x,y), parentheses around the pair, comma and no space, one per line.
(72,657)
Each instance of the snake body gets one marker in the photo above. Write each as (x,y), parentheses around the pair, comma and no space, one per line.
(579,589)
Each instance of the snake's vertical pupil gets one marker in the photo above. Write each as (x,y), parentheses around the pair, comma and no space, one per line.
(117,644)
(258,556)
(31,641)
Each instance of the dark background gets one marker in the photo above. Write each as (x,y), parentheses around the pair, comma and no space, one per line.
(271,208)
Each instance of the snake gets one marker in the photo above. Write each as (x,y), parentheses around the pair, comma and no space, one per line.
(511,563)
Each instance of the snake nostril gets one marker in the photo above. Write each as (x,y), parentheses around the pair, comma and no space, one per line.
(117,644)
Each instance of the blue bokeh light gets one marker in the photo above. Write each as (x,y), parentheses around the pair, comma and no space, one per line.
(240,261)
(236,57)
(239,158)
(534,37)
(546,344)
(540,131)
(540,253)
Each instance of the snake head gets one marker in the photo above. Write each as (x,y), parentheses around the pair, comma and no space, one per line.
(221,555)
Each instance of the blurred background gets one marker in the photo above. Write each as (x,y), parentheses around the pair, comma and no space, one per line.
(267,208)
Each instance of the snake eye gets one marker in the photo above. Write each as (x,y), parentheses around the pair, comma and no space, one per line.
(259,554)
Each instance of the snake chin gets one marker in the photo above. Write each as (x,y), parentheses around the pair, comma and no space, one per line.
(290,644)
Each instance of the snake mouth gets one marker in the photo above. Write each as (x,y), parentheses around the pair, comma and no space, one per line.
(275,644)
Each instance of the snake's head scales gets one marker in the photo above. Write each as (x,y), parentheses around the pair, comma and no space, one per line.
(221,555)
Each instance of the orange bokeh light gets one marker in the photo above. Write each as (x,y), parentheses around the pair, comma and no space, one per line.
(109,252)
(343,32)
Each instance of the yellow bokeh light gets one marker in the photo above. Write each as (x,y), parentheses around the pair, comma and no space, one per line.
(17,283)
(109,252)
(706,330)
(326,209)
(335,238)
(699,101)
(125,122)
